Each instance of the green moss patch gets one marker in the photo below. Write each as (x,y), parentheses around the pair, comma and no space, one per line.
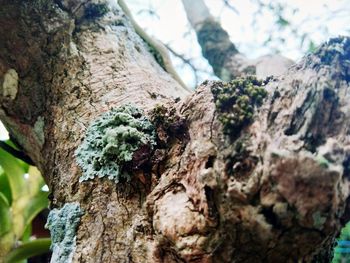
(116,142)
(235,102)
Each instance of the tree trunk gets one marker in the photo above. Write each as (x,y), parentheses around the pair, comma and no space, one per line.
(172,177)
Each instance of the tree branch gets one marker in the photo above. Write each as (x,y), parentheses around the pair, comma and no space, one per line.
(221,53)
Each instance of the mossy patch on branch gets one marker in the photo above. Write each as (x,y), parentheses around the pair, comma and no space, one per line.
(62,224)
(114,142)
(235,102)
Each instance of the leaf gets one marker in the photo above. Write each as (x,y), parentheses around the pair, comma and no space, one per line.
(37,200)
(5,215)
(29,249)
(5,186)
(32,201)
(27,233)
(35,206)
(14,172)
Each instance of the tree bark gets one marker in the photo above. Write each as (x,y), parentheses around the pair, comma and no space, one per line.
(275,188)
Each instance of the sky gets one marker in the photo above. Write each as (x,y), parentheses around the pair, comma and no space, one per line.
(171,27)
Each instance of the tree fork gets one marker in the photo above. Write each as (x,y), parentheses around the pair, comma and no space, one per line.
(203,196)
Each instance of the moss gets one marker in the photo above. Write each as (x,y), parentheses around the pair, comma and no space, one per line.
(96,10)
(62,224)
(114,142)
(235,102)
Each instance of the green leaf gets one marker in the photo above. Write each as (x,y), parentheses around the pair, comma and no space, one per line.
(30,203)
(37,199)
(14,172)
(5,188)
(35,206)
(27,233)
(5,215)
(29,249)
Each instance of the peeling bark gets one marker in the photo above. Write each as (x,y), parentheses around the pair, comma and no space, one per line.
(275,192)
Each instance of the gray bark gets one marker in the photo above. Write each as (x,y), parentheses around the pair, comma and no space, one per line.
(274,191)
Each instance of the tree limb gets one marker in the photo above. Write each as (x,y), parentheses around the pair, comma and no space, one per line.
(157,45)
(222,54)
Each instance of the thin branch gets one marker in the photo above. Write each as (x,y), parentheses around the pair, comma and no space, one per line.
(185,61)
(228,4)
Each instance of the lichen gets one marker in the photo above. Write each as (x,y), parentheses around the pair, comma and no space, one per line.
(112,141)
(10,84)
(62,224)
(235,102)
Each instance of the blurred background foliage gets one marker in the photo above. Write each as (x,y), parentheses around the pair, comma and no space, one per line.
(256,27)
(23,196)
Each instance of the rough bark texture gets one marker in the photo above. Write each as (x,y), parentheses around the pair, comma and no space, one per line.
(276,191)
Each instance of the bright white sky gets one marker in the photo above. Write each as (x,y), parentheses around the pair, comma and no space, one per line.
(171,25)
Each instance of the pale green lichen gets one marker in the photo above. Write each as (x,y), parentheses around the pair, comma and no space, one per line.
(62,224)
(10,84)
(111,142)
